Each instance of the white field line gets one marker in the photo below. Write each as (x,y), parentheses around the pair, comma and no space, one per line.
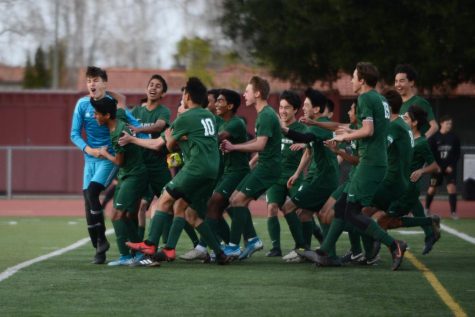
(12,270)
(457,233)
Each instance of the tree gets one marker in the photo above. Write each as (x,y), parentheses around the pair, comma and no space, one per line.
(195,55)
(310,40)
(39,74)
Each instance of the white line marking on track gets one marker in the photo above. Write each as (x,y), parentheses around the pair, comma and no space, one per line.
(459,234)
(12,270)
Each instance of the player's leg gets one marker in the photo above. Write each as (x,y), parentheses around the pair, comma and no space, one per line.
(435,180)
(452,191)
(275,197)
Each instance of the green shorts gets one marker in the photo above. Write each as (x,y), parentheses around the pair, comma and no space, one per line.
(228,183)
(195,190)
(258,181)
(386,194)
(158,177)
(129,191)
(312,196)
(277,193)
(148,196)
(364,183)
(406,202)
(339,190)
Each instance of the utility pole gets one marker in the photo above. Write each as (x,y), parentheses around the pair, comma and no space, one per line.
(55,72)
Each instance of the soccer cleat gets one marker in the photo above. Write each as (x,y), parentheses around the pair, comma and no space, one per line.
(323,259)
(290,256)
(398,254)
(454,216)
(223,259)
(99,258)
(102,246)
(252,246)
(432,239)
(164,254)
(307,254)
(146,261)
(349,257)
(274,252)
(194,254)
(144,247)
(373,261)
(123,260)
(232,251)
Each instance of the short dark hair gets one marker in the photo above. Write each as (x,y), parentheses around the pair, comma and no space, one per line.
(261,85)
(197,91)
(368,72)
(419,114)
(406,69)
(330,105)
(162,81)
(292,98)
(93,71)
(445,118)
(231,97)
(105,106)
(317,99)
(214,92)
(394,99)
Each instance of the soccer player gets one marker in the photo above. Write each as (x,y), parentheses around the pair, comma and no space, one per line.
(445,146)
(405,77)
(98,172)
(236,167)
(423,162)
(154,118)
(373,116)
(277,194)
(132,181)
(195,132)
(266,173)
(321,179)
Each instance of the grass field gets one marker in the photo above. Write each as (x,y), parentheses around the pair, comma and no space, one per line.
(69,285)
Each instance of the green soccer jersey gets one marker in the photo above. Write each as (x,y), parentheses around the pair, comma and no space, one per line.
(291,159)
(324,134)
(372,150)
(235,161)
(422,154)
(200,145)
(267,124)
(400,145)
(424,104)
(133,158)
(325,164)
(148,118)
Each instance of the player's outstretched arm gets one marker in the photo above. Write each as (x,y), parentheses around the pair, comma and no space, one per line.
(121,99)
(255,145)
(332,126)
(118,159)
(152,144)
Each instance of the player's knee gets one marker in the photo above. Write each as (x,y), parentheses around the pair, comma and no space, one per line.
(117,215)
(191,216)
(272,210)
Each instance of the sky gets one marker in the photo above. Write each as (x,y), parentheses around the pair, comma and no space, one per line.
(171,27)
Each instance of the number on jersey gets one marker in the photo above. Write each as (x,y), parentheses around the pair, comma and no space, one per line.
(208,126)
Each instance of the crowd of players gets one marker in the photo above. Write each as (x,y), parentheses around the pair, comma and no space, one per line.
(293,161)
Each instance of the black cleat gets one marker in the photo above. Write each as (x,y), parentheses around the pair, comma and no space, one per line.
(310,255)
(146,261)
(99,258)
(223,259)
(398,254)
(274,252)
(352,258)
(323,259)
(432,239)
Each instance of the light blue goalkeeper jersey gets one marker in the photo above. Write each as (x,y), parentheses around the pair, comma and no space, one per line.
(96,135)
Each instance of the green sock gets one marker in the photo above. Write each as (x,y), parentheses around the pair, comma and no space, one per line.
(141,233)
(209,237)
(367,245)
(237,226)
(132,230)
(166,228)
(120,228)
(156,226)
(355,239)
(416,221)
(307,232)
(213,224)
(325,227)
(336,228)
(249,230)
(418,211)
(295,227)
(377,233)
(273,227)
(190,231)
(175,232)
(224,230)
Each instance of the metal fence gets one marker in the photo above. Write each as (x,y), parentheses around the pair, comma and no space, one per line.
(57,170)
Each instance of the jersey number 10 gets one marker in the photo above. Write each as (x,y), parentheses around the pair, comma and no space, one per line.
(208,126)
